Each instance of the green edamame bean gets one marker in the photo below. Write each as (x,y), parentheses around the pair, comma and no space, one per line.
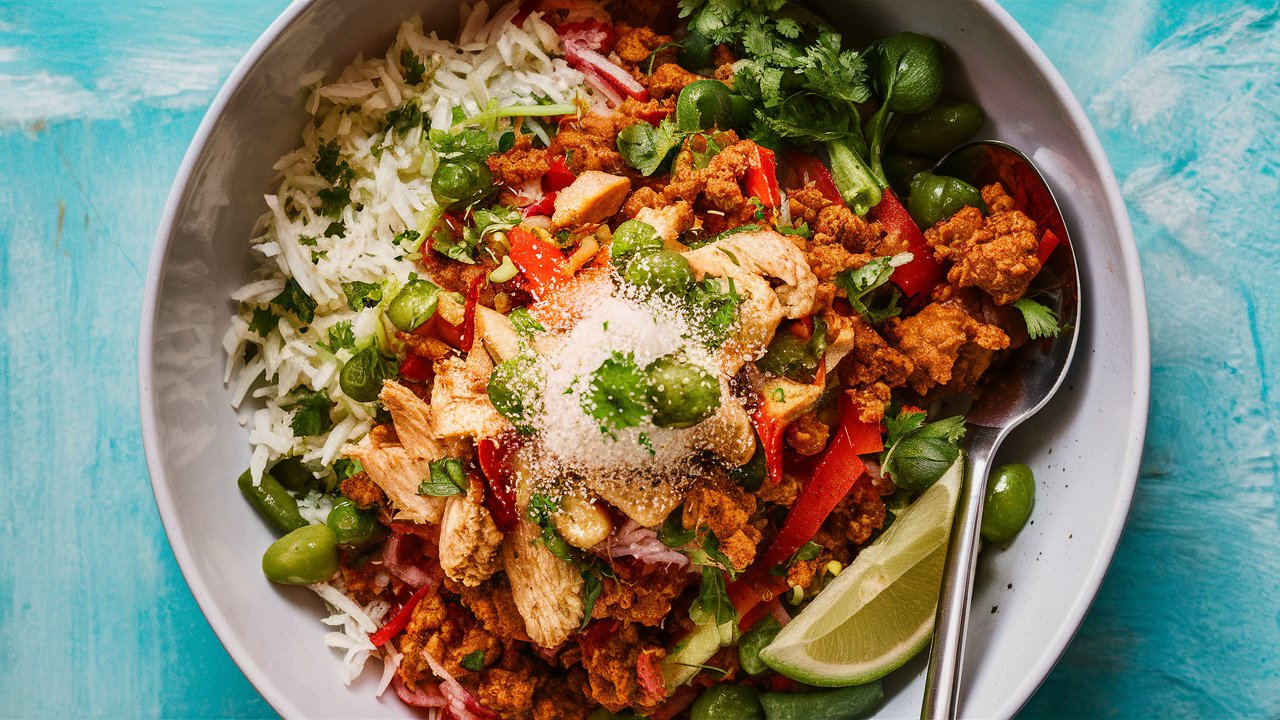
(660,271)
(910,64)
(292,474)
(899,169)
(755,640)
(1011,494)
(351,526)
(413,305)
(936,131)
(727,702)
(703,105)
(458,183)
(305,556)
(361,377)
(842,704)
(750,476)
(272,501)
(682,395)
(938,197)
(634,237)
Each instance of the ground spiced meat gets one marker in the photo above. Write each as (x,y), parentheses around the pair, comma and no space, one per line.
(636,595)
(509,693)
(455,276)
(493,605)
(641,198)
(723,507)
(784,492)
(720,182)
(521,165)
(585,151)
(616,659)
(362,490)
(427,348)
(365,581)
(669,79)
(947,346)
(636,44)
(874,368)
(561,698)
(996,253)
(833,223)
(448,632)
(808,435)
(853,521)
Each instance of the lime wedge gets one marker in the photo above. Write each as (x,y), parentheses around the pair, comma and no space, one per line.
(878,613)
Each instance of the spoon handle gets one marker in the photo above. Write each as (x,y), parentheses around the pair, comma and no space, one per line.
(946,655)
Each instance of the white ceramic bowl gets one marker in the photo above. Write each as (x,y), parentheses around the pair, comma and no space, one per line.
(1085,446)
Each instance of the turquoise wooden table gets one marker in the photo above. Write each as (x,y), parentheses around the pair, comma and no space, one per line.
(98,101)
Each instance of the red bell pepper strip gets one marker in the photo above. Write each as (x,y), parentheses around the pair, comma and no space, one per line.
(762,177)
(467,336)
(497,455)
(923,272)
(805,169)
(544,206)
(558,176)
(770,430)
(1048,242)
(541,262)
(401,619)
(415,368)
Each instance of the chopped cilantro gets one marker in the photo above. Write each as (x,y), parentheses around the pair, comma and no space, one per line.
(362,295)
(408,236)
(312,414)
(918,453)
(647,444)
(328,166)
(344,468)
(525,324)
(714,608)
(591,587)
(1041,321)
(447,478)
(404,118)
(307,240)
(414,69)
(713,309)
(340,336)
(540,509)
(318,255)
(616,393)
(292,299)
(264,321)
(469,143)
(335,229)
(860,283)
(333,200)
(801,230)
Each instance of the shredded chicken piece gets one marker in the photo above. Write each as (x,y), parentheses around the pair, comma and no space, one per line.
(469,542)
(398,473)
(412,419)
(460,404)
(592,198)
(547,590)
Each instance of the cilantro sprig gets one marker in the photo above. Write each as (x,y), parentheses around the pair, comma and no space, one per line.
(918,453)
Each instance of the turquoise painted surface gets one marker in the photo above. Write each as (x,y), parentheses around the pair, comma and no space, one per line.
(98,101)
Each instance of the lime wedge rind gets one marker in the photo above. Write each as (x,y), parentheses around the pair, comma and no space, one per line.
(879,612)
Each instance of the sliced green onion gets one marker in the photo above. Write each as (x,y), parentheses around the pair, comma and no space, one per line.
(504,272)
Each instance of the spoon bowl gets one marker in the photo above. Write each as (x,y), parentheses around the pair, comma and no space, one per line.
(1033,373)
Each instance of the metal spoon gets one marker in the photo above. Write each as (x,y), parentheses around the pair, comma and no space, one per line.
(1033,375)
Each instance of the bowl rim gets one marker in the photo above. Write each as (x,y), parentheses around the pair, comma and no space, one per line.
(1132,273)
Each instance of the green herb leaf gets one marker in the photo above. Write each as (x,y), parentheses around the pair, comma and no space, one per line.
(333,200)
(312,414)
(711,555)
(1041,321)
(344,468)
(414,69)
(514,389)
(712,307)
(801,230)
(293,300)
(861,282)
(331,167)
(617,393)
(263,321)
(525,324)
(540,509)
(469,143)
(447,478)
(918,454)
(713,607)
(307,240)
(362,295)
(473,661)
(672,533)
(647,148)
(591,587)
(335,229)
(340,336)
(406,238)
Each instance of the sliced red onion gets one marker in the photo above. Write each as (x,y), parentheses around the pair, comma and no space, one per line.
(642,543)
(426,696)
(460,702)
(405,557)
(593,64)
